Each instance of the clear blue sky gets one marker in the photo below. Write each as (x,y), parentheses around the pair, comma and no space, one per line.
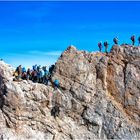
(37,32)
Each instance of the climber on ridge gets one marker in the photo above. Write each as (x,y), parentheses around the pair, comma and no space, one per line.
(115,40)
(133,39)
(34,73)
(18,73)
(100,46)
(106,46)
(56,83)
(28,74)
(55,111)
(24,73)
(139,41)
(19,70)
(46,75)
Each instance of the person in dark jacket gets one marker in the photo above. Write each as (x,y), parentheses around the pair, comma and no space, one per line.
(24,74)
(29,74)
(139,41)
(133,39)
(106,46)
(55,111)
(51,68)
(19,71)
(116,40)
(100,46)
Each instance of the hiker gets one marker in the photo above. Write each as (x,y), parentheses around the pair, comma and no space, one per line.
(28,74)
(24,73)
(133,39)
(46,75)
(139,41)
(19,70)
(56,83)
(51,68)
(100,46)
(35,67)
(41,75)
(55,111)
(15,74)
(38,73)
(115,40)
(38,68)
(106,46)
(34,73)
(34,76)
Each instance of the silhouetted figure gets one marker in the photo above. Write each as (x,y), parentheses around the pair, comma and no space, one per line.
(106,46)
(24,74)
(139,41)
(51,68)
(55,111)
(100,46)
(115,40)
(133,39)
(34,75)
(29,75)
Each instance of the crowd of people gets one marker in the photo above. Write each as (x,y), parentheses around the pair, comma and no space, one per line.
(116,40)
(42,75)
(37,74)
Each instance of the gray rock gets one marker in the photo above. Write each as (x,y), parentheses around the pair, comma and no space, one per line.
(99,98)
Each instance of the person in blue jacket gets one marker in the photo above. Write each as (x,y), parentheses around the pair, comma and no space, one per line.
(56,83)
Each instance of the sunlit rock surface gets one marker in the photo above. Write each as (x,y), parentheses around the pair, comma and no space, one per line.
(99,98)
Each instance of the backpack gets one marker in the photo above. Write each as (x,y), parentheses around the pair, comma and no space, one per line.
(56,82)
(23,69)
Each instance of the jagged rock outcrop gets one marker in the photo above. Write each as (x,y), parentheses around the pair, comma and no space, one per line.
(99,98)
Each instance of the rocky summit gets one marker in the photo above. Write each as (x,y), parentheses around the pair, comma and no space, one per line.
(98,98)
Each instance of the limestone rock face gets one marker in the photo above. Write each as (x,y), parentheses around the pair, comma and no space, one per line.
(99,98)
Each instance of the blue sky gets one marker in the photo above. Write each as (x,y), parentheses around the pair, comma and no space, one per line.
(37,32)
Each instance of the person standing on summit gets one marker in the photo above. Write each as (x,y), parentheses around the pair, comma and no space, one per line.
(133,39)
(115,40)
(100,46)
(139,41)
(106,46)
